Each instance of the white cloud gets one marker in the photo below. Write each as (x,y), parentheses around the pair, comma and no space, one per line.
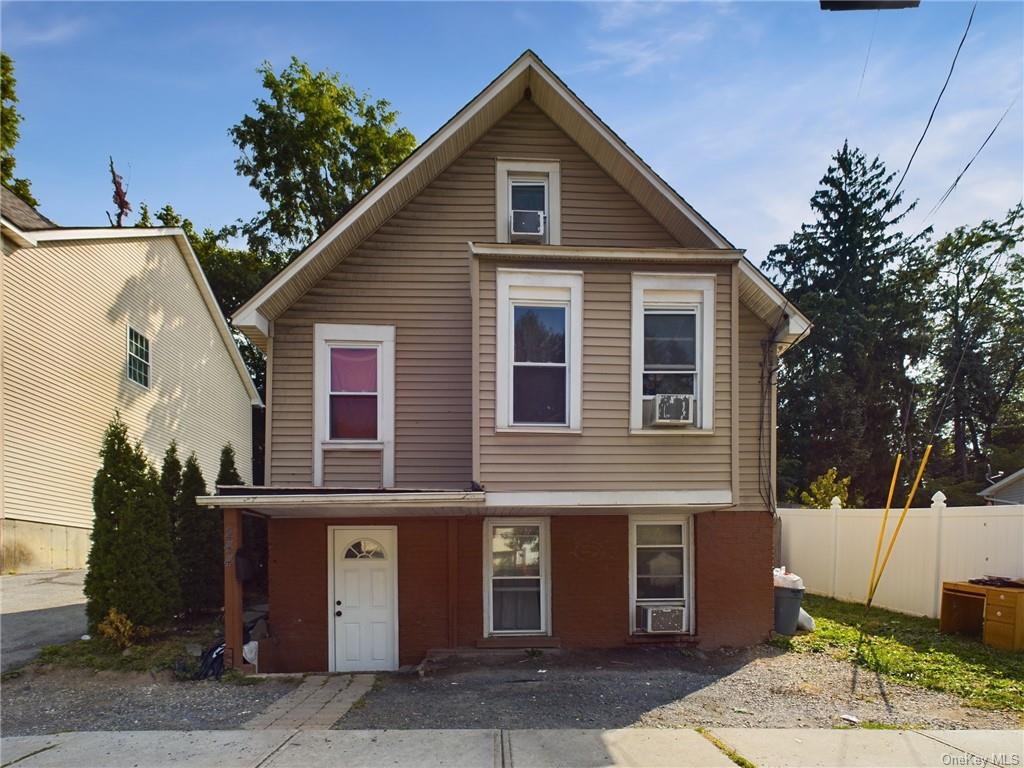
(47,33)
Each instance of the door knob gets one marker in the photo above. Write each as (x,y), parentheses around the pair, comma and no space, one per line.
(337,613)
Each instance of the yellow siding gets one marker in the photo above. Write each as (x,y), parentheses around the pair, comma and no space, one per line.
(413,273)
(65,309)
(605,456)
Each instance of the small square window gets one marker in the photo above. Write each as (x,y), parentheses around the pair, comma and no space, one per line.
(138,357)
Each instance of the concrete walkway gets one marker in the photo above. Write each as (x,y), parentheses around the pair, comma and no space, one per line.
(635,747)
(318,703)
(38,609)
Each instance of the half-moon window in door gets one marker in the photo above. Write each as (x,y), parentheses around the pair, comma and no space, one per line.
(365,549)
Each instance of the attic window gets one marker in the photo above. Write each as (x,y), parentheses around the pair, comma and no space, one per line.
(527,202)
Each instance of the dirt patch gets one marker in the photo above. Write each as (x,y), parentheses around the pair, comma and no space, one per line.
(660,688)
(41,701)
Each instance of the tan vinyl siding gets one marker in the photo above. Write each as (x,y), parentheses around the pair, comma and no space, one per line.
(753,331)
(66,307)
(352,469)
(605,456)
(413,273)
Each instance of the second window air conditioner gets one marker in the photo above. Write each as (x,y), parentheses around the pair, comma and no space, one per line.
(664,619)
(670,410)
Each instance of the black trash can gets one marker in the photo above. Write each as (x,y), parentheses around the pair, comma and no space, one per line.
(787,609)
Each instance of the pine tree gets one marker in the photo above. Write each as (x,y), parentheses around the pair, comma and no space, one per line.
(845,390)
(170,484)
(200,559)
(131,563)
(228,473)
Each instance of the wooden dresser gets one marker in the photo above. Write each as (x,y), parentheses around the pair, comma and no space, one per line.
(994,613)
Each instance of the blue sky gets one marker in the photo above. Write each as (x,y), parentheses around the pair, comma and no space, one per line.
(737,105)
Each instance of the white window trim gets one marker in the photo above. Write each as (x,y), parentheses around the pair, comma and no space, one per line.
(545,575)
(686,520)
(557,287)
(510,169)
(674,291)
(383,338)
(128,355)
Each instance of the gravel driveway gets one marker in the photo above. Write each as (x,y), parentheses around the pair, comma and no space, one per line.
(758,687)
(42,701)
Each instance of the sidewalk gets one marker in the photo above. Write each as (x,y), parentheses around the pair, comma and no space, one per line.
(636,747)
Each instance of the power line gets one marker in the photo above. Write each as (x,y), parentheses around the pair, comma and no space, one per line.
(867,57)
(949,190)
(949,75)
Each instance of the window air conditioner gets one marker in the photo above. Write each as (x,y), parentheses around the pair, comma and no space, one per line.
(664,618)
(527,224)
(670,410)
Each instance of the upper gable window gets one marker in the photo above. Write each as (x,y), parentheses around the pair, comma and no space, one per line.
(528,201)
(138,358)
(672,358)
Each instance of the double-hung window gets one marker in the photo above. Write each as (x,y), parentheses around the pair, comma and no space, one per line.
(528,201)
(539,349)
(660,568)
(138,358)
(672,348)
(354,385)
(515,584)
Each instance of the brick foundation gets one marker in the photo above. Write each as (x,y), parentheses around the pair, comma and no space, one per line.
(441,602)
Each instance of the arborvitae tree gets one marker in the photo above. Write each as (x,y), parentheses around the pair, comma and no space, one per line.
(170,484)
(10,132)
(845,390)
(228,473)
(131,563)
(200,558)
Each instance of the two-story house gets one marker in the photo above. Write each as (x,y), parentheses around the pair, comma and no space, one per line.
(94,321)
(519,396)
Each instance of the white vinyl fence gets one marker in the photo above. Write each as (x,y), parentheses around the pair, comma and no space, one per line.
(832,550)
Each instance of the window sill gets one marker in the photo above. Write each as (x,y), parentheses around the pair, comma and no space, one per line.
(672,431)
(641,638)
(352,445)
(542,430)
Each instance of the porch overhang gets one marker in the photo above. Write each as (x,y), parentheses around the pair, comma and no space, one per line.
(360,502)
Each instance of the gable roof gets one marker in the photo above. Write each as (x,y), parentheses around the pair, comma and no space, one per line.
(527,77)
(58,234)
(21,214)
(995,488)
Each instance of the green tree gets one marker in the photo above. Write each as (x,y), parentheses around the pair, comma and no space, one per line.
(845,391)
(199,545)
(976,388)
(10,132)
(824,488)
(228,472)
(170,484)
(131,563)
(312,149)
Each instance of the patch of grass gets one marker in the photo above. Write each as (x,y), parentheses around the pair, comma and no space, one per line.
(237,677)
(725,749)
(874,725)
(11,674)
(911,650)
(159,652)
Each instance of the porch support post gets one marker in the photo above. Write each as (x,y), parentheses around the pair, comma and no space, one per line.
(232,589)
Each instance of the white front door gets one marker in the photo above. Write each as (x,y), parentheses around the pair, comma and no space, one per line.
(364,601)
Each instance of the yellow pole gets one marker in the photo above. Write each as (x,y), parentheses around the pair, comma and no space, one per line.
(885,519)
(899,525)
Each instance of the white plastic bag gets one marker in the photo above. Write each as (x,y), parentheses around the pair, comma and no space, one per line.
(805,621)
(784,578)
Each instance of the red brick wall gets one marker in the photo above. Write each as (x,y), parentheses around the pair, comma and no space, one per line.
(733,552)
(589,583)
(590,580)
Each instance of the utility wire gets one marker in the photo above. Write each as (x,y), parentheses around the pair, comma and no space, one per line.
(867,57)
(949,75)
(949,190)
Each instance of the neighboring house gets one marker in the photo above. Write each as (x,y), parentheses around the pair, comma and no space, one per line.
(461,439)
(1009,490)
(94,321)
